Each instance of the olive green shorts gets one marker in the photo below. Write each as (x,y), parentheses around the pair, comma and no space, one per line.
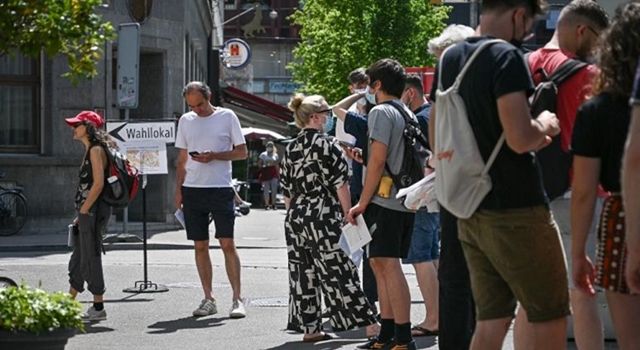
(515,255)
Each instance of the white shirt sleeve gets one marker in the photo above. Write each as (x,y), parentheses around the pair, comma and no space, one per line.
(236,131)
(181,140)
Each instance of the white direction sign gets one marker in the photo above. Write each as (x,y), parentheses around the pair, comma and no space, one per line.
(124,132)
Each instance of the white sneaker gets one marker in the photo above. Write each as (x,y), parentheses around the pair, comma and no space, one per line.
(237,309)
(94,315)
(207,307)
(245,204)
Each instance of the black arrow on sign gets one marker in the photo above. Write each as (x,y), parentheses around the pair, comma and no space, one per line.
(115,132)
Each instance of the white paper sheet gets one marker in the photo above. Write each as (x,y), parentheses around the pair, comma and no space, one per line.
(356,235)
(180,217)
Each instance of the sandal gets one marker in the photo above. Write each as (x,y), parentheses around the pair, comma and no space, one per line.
(317,338)
(418,331)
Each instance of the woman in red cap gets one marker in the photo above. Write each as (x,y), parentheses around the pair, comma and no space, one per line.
(85,264)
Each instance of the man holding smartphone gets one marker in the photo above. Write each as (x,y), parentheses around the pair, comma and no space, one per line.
(208,139)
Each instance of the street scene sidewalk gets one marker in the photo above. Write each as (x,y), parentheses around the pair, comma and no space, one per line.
(163,320)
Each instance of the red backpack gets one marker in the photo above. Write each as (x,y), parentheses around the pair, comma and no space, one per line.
(122,180)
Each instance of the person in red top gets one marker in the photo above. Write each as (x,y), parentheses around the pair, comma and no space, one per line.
(577,31)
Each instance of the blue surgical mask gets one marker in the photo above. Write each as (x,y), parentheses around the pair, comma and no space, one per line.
(371,97)
(328,124)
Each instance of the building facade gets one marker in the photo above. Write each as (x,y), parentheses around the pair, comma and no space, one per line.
(36,146)
(272,37)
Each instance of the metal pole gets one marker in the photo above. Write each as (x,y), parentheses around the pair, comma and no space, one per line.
(144,225)
(125,211)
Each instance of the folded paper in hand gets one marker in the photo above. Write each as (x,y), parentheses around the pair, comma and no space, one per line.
(179,214)
(353,238)
(421,194)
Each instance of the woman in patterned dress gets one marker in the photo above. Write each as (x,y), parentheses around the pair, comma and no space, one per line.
(315,182)
(85,264)
(597,144)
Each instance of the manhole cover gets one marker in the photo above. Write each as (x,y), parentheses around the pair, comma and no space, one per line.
(270,302)
(255,238)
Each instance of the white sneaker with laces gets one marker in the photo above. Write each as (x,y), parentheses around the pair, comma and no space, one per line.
(207,307)
(237,309)
(94,315)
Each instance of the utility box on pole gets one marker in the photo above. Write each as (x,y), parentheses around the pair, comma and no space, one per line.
(128,65)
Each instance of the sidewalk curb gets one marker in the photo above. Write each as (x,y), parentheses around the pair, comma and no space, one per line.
(116,246)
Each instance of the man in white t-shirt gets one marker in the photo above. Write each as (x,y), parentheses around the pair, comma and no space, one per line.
(208,139)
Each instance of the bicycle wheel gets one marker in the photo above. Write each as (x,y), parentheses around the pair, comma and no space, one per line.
(13,213)
(6,282)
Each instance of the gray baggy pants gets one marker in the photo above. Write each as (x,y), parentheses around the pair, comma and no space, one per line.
(85,264)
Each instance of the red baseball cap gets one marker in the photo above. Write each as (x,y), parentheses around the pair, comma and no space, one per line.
(86,116)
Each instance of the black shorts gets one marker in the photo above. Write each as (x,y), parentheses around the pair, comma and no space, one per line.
(390,232)
(198,203)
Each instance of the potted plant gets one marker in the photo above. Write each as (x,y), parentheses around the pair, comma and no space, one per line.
(31,318)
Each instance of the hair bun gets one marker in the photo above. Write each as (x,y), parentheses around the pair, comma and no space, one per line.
(296,102)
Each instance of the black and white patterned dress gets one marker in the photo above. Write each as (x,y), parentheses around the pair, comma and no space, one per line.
(312,169)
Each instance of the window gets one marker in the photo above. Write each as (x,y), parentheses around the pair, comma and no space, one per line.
(19,101)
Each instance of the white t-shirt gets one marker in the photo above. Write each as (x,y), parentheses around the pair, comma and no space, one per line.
(218,132)
(340,133)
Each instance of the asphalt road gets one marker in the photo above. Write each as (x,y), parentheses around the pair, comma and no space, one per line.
(164,321)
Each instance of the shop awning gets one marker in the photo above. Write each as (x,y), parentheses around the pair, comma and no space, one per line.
(257,112)
(261,134)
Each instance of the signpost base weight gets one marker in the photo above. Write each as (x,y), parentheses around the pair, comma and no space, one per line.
(146,287)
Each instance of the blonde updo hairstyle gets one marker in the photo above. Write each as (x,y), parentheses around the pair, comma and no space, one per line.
(304,106)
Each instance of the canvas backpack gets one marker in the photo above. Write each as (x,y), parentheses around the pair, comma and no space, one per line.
(462,176)
(121,181)
(555,163)
(415,151)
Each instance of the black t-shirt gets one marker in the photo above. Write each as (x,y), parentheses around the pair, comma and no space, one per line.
(498,70)
(600,131)
(635,96)
(422,114)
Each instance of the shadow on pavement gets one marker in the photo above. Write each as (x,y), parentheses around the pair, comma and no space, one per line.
(92,328)
(127,299)
(332,344)
(164,327)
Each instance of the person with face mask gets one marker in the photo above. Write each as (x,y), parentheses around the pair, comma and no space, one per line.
(511,242)
(315,181)
(425,240)
(268,163)
(579,24)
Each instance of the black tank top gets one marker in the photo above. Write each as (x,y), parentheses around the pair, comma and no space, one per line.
(85,179)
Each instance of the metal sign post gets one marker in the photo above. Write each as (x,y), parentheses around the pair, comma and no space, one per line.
(150,158)
(144,144)
(127,78)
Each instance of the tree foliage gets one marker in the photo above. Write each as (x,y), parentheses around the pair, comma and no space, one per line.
(338,36)
(67,27)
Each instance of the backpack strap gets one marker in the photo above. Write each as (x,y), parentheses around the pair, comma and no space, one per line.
(567,69)
(421,139)
(494,154)
(407,119)
(467,64)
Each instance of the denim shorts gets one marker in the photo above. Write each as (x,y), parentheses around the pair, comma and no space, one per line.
(198,203)
(425,240)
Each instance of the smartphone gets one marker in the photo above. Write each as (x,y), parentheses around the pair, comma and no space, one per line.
(193,153)
(346,144)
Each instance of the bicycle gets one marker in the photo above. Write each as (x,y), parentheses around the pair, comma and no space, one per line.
(6,282)
(13,209)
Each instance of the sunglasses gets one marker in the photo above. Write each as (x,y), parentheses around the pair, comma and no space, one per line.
(328,111)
